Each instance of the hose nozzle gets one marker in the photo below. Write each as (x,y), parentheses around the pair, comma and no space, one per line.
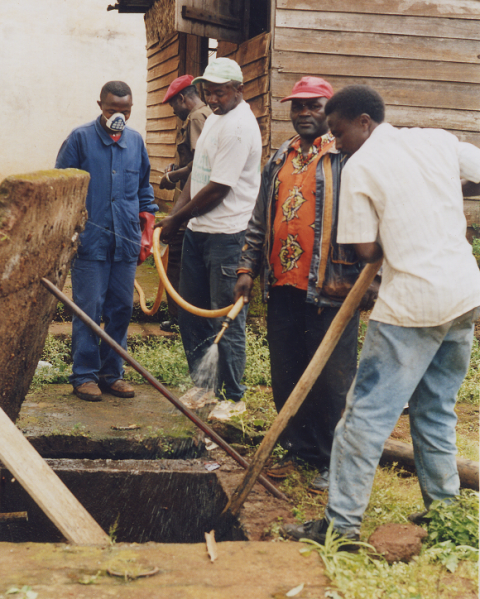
(230,317)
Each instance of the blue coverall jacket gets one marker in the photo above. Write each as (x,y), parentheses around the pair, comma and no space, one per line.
(103,271)
(119,189)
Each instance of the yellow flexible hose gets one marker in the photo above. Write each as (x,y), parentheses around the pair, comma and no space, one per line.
(161,260)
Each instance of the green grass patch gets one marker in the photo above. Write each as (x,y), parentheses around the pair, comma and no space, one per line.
(451,548)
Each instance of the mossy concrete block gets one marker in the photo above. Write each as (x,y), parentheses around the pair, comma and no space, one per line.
(41,216)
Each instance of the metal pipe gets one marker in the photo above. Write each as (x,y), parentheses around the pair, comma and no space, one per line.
(153,381)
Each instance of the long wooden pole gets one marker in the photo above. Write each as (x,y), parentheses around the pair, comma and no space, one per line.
(303,386)
(163,390)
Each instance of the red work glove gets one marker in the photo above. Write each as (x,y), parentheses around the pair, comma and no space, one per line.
(147,220)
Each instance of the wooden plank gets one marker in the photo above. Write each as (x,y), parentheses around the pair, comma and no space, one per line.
(162,150)
(253,49)
(260,105)
(161,82)
(471,137)
(324,65)
(254,69)
(152,46)
(159,163)
(386,24)
(455,120)
(207,16)
(158,46)
(193,52)
(256,87)
(163,197)
(437,94)
(161,70)
(155,98)
(249,51)
(410,116)
(374,44)
(159,111)
(465,9)
(264,125)
(162,124)
(203,28)
(226,48)
(163,54)
(45,488)
(161,137)
(281,130)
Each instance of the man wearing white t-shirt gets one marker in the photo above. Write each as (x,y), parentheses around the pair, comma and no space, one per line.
(401,198)
(217,200)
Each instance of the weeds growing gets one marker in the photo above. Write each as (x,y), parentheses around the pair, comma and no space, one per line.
(368,576)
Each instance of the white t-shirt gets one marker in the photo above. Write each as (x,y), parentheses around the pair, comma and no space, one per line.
(228,151)
(402,188)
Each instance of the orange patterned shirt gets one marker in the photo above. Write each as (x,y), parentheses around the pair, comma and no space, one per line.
(294,222)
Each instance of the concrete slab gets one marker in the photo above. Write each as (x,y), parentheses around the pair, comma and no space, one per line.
(252,570)
(59,424)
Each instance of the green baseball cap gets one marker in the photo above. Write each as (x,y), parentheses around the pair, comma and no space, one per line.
(221,70)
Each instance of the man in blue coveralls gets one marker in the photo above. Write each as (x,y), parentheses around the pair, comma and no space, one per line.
(103,270)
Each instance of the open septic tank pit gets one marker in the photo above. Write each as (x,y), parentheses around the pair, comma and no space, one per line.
(135,501)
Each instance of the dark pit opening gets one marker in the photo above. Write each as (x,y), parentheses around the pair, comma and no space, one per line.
(135,501)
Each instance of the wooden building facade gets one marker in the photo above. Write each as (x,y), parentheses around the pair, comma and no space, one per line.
(423,57)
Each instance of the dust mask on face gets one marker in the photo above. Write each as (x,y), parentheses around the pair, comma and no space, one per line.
(116,122)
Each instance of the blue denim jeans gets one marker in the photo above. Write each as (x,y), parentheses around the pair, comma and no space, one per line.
(295,330)
(424,367)
(101,288)
(207,278)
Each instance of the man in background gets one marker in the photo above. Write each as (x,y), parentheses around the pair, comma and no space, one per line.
(103,270)
(292,237)
(187,106)
(217,201)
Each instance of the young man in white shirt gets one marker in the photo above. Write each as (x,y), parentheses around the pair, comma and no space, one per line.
(217,200)
(401,198)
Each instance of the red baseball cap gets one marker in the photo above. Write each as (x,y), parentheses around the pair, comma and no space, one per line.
(310,87)
(176,87)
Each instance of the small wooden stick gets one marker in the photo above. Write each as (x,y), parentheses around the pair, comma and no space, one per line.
(5,517)
(303,386)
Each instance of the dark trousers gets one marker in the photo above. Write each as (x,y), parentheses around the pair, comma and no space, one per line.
(207,279)
(173,269)
(295,330)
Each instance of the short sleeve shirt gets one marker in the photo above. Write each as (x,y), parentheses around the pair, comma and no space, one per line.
(402,188)
(229,152)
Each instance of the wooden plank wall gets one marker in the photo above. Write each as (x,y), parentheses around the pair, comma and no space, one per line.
(253,56)
(423,57)
(162,68)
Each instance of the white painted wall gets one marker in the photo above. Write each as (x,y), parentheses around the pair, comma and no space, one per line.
(55,57)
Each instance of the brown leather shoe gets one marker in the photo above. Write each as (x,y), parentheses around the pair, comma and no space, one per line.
(120,388)
(88,391)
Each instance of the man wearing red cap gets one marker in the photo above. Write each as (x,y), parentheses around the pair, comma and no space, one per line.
(292,237)
(186,103)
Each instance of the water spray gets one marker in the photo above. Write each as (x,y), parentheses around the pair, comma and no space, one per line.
(230,317)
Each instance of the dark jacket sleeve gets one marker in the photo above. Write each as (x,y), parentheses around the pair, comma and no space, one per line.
(256,234)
